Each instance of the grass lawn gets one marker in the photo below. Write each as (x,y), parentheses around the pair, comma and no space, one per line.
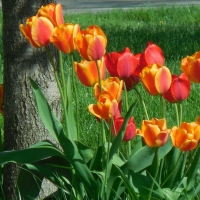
(175,29)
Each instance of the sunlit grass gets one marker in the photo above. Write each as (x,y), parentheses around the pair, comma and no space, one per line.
(175,29)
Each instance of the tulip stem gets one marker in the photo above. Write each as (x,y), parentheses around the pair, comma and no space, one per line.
(181,113)
(76,96)
(99,76)
(163,106)
(177,115)
(59,85)
(156,173)
(144,106)
(172,170)
(128,145)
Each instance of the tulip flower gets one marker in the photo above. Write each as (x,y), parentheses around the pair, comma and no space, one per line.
(154,132)
(179,89)
(91,43)
(153,54)
(111,84)
(130,131)
(156,79)
(186,137)
(37,31)
(190,65)
(2,99)
(63,37)
(53,13)
(87,71)
(106,107)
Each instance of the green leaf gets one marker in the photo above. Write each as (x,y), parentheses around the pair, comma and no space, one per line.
(44,109)
(71,125)
(32,189)
(37,152)
(86,153)
(195,166)
(144,157)
(131,190)
(117,141)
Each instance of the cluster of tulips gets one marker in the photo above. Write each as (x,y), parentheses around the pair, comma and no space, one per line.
(126,70)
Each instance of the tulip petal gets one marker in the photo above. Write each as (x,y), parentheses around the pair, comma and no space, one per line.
(150,135)
(189,145)
(59,15)
(195,70)
(163,80)
(96,48)
(161,139)
(42,28)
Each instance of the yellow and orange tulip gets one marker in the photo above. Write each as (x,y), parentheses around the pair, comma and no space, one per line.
(91,43)
(37,31)
(63,37)
(187,136)
(156,79)
(87,71)
(53,12)
(106,107)
(190,65)
(112,84)
(154,132)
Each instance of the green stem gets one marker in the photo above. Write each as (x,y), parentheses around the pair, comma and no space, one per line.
(128,145)
(181,113)
(156,173)
(172,170)
(76,96)
(177,114)
(58,84)
(163,106)
(144,106)
(62,76)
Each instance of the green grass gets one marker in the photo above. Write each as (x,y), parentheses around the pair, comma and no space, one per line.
(175,29)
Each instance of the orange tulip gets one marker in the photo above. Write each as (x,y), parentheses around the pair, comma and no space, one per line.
(111,84)
(37,31)
(179,89)
(187,136)
(106,107)
(154,132)
(2,99)
(63,37)
(91,43)
(87,71)
(53,13)
(130,131)
(190,65)
(156,79)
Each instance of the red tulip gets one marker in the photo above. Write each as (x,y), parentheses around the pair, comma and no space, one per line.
(123,65)
(153,54)
(130,131)
(179,89)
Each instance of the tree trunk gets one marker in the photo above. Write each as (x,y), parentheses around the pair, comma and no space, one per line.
(22,125)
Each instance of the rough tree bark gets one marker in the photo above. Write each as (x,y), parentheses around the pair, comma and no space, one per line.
(22,125)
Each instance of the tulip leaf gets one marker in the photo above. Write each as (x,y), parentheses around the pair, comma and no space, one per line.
(32,189)
(37,152)
(117,141)
(127,183)
(146,155)
(195,166)
(71,125)
(44,109)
